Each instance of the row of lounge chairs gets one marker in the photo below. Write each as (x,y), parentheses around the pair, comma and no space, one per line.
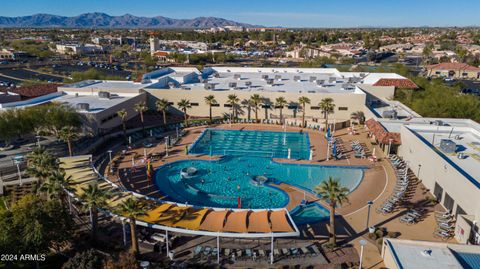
(401,187)
(360,149)
(445,225)
(341,151)
(207,252)
(412,216)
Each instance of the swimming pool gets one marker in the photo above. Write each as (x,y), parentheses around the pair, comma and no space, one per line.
(252,143)
(219,183)
(311,213)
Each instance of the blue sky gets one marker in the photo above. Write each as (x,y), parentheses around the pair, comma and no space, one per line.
(288,13)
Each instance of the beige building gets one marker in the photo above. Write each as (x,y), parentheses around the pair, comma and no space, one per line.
(453,70)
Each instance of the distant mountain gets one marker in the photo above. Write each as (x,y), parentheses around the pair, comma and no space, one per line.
(102,20)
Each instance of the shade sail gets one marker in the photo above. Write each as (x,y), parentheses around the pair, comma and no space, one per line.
(258,222)
(236,222)
(192,219)
(214,221)
(279,222)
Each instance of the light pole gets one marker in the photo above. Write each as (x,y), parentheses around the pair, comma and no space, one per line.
(38,140)
(418,173)
(389,147)
(369,204)
(110,154)
(362,245)
(19,173)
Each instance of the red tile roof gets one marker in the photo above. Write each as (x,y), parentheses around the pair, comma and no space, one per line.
(397,82)
(35,90)
(382,135)
(454,66)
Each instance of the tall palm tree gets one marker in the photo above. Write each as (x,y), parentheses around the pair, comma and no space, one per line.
(162,105)
(141,107)
(184,104)
(248,105)
(327,107)
(232,100)
(280,103)
(56,185)
(255,101)
(332,192)
(123,116)
(132,209)
(40,163)
(68,134)
(359,116)
(303,101)
(210,101)
(94,198)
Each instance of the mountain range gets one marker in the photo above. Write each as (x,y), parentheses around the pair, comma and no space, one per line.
(102,20)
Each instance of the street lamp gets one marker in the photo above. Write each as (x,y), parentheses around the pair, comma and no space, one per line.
(389,147)
(38,140)
(418,173)
(17,160)
(369,204)
(362,245)
(110,154)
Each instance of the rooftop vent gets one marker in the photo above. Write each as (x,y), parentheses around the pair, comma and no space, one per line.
(104,95)
(232,85)
(237,76)
(265,77)
(313,78)
(320,82)
(362,75)
(296,78)
(390,114)
(82,106)
(216,74)
(278,77)
(248,83)
(270,81)
(332,79)
(171,85)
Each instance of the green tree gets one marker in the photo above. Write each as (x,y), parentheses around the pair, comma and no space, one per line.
(232,100)
(68,134)
(280,103)
(327,107)
(56,185)
(162,105)
(40,163)
(303,101)
(333,193)
(141,107)
(358,116)
(94,197)
(184,104)
(123,117)
(255,101)
(88,259)
(133,209)
(210,101)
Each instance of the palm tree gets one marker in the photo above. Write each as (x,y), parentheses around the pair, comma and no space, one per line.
(56,184)
(332,192)
(140,108)
(232,100)
(132,209)
(210,101)
(162,105)
(327,107)
(303,101)
(68,134)
(246,103)
(94,198)
(184,104)
(280,103)
(255,101)
(123,116)
(40,163)
(359,116)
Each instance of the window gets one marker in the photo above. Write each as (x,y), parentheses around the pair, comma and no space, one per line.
(170,103)
(438,192)
(292,106)
(342,108)
(216,105)
(438,72)
(448,202)
(194,104)
(315,108)
(265,106)
(459,211)
(227,105)
(464,74)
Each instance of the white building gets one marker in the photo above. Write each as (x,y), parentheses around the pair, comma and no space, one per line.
(76,49)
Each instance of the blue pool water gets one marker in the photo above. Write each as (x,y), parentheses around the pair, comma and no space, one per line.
(309,214)
(219,183)
(252,143)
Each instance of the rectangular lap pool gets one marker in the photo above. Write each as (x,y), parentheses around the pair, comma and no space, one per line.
(252,143)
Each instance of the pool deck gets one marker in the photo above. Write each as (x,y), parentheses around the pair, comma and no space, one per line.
(377,184)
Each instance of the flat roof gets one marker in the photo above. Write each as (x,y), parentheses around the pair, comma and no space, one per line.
(466,136)
(95,103)
(425,255)
(105,85)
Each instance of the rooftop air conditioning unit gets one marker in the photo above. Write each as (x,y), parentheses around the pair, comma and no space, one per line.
(332,79)
(264,77)
(362,75)
(448,146)
(237,76)
(104,95)
(320,82)
(270,81)
(390,114)
(171,85)
(296,78)
(278,77)
(83,106)
(216,74)
(313,78)
(232,85)
(248,83)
